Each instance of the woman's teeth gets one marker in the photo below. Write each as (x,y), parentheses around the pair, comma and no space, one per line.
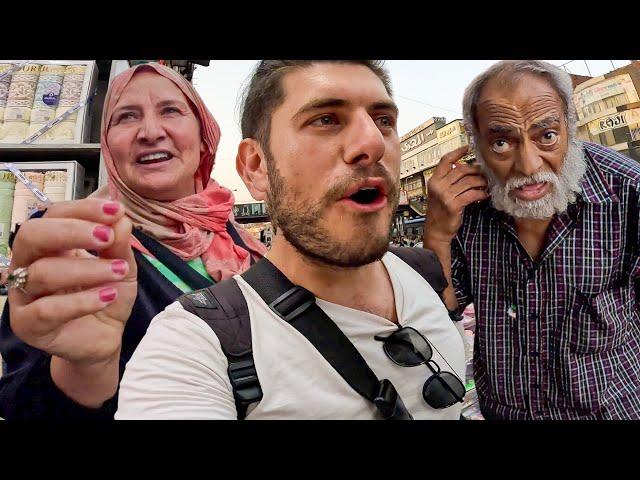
(154,157)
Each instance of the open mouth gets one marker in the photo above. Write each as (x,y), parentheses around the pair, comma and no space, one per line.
(531,191)
(156,157)
(366,195)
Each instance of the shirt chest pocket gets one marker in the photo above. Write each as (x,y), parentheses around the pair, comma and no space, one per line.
(593,259)
(599,323)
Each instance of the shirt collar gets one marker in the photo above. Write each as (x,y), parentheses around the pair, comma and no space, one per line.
(595,188)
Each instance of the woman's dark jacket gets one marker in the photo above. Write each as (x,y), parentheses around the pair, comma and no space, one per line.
(26,388)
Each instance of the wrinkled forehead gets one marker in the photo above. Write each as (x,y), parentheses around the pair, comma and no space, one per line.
(517,102)
(149,85)
(351,83)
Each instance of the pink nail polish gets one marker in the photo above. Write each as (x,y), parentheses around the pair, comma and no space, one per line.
(107,294)
(102,233)
(110,208)
(119,267)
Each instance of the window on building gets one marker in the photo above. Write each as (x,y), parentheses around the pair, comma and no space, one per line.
(606,138)
(408,164)
(256,209)
(593,109)
(433,154)
(621,135)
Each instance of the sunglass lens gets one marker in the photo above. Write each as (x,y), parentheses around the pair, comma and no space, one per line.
(407,348)
(436,393)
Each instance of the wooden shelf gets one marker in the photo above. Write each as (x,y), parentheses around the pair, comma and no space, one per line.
(43,152)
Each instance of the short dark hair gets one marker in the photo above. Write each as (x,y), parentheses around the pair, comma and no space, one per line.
(265,93)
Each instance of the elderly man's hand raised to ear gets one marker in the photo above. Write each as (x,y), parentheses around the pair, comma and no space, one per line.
(450,189)
(74,305)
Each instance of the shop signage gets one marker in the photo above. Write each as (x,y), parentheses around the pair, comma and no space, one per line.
(617,120)
(449,131)
(422,137)
(605,89)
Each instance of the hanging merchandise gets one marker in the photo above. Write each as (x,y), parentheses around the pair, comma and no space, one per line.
(47,96)
(17,112)
(7,190)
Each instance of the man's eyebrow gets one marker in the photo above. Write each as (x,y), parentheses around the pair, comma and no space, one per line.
(546,122)
(320,103)
(500,128)
(385,106)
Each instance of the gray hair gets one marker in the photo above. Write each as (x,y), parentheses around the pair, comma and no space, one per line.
(559,80)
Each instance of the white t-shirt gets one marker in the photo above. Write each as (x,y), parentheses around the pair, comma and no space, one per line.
(180,372)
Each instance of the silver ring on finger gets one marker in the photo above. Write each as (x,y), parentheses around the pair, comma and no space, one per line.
(18,278)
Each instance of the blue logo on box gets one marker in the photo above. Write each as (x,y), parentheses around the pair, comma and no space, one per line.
(50,99)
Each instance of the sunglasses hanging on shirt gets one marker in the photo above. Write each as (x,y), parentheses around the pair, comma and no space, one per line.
(407,347)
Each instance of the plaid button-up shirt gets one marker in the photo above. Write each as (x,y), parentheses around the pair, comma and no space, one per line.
(558,338)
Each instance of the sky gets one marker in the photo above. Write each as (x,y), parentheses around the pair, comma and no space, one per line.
(422,89)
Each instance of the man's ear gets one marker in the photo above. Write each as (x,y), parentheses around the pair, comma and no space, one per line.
(251,165)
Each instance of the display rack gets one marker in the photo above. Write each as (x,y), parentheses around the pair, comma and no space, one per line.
(86,154)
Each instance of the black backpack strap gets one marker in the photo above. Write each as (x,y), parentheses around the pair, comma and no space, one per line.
(237,239)
(297,306)
(172,261)
(426,263)
(224,308)
(179,266)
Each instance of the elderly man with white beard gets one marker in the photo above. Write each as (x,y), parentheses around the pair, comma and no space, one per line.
(542,236)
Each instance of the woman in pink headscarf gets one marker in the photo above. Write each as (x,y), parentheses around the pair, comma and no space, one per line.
(161,227)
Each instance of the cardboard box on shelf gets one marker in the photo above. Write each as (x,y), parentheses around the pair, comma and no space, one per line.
(57,86)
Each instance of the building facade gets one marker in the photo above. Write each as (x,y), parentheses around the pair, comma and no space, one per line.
(420,151)
(422,148)
(608,109)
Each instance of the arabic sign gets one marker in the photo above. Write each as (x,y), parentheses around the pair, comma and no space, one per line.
(617,120)
(451,130)
(423,136)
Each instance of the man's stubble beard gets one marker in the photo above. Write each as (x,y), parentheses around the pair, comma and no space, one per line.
(565,186)
(300,221)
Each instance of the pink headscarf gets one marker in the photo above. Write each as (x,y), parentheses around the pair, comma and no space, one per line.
(193,226)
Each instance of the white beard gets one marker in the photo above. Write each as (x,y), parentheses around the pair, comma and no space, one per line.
(563,191)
